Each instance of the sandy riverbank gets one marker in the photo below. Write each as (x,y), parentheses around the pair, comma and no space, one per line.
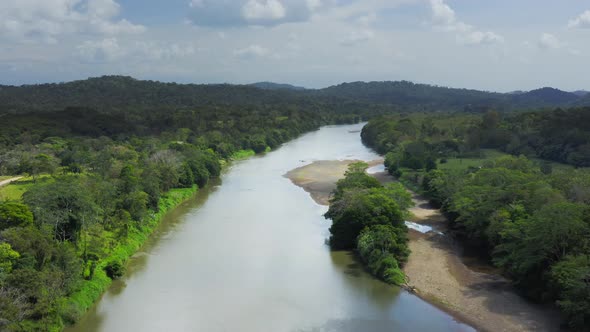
(435,267)
(319,178)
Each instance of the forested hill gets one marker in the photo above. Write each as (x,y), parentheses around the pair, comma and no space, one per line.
(121,92)
(112,93)
(415,96)
(276,86)
(424,97)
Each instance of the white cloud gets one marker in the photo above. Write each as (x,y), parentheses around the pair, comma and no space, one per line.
(48,20)
(549,41)
(162,51)
(235,13)
(444,17)
(442,14)
(582,21)
(357,37)
(474,37)
(110,50)
(252,51)
(101,51)
(102,8)
(256,10)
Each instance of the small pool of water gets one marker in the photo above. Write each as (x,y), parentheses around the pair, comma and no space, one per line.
(376,169)
(422,228)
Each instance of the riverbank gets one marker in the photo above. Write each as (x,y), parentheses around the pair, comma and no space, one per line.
(91,291)
(435,268)
(81,301)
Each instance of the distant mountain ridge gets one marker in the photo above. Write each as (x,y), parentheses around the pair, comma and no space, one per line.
(111,93)
(276,86)
(580,93)
(407,94)
(545,96)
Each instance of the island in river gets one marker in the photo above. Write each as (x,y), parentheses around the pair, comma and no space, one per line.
(436,269)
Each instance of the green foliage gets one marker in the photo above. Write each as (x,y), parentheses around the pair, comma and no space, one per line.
(357,209)
(355,178)
(7,259)
(65,205)
(114,270)
(530,217)
(14,214)
(242,154)
(571,276)
(370,218)
(385,239)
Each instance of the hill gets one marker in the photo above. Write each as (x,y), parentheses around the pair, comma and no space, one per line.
(580,93)
(122,92)
(545,97)
(415,96)
(116,93)
(276,86)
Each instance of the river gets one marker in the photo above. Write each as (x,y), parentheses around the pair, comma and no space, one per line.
(250,255)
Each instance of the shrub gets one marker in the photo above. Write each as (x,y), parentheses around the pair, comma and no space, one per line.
(114,270)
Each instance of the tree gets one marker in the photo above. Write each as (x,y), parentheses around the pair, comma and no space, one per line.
(42,163)
(355,178)
(14,308)
(65,204)
(7,258)
(358,209)
(385,239)
(13,214)
(572,278)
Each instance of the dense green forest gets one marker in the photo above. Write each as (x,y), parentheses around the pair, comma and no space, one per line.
(528,216)
(111,93)
(422,97)
(103,159)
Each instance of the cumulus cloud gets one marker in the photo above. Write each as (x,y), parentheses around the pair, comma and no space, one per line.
(47,20)
(227,13)
(110,50)
(442,14)
(549,41)
(582,21)
(252,51)
(101,51)
(444,17)
(255,10)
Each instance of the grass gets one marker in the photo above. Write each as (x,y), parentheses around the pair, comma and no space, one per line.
(463,163)
(491,154)
(242,154)
(5,177)
(15,190)
(245,154)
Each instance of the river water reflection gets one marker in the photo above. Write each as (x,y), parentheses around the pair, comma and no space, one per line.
(250,255)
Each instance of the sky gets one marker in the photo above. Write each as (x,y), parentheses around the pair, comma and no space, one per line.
(500,45)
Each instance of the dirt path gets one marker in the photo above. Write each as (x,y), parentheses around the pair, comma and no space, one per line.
(436,269)
(7,181)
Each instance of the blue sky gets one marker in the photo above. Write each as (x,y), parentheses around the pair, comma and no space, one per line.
(496,45)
